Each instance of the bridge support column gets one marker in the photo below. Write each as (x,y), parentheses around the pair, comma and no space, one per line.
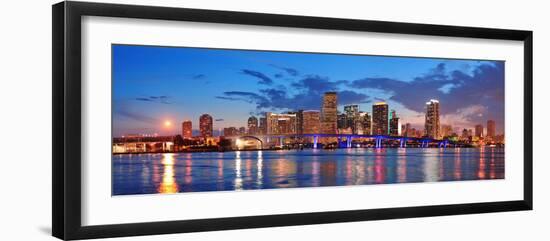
(281,141)
(348,141)
(315,141)
(378,142)
(403,143)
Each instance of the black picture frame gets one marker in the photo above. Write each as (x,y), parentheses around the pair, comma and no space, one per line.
(66,158)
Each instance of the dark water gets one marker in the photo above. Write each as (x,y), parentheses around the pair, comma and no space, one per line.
(244,170)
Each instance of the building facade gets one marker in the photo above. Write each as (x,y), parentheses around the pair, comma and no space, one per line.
(252,125)
(311,122)
(432,126)
(491,129)
(187,129)
(380,118)
(206,125)
(365,123)
(479,130)
(395,124)
(329,113)
(280,123)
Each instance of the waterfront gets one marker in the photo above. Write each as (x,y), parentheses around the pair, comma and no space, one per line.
(248,170)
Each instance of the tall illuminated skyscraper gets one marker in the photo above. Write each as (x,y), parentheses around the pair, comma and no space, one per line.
(352,117)
(252,125)
(395,124)
(206,125)
(431,125)
(491,129)
(187,129)
(263,126)
(364,123)
(280,123)
(380,118)
(329,114)
(479,130)
(311,122)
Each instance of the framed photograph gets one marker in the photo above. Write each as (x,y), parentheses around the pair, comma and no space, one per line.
(169,120)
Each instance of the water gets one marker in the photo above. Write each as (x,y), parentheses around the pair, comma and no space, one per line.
(245,170)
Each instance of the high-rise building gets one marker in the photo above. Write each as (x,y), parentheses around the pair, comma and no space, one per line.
(263,125)
(380,118)
(300,122)
(465,134)
(341,122)
(311,122)
(187,129)
(395,125)
(206,125)
(352,117)
(491,129)
(230,131)
(365,123)
(479,130)
(329,113)
(242,130)
(446,130)
(431,125)
(407,130)
(252,125)
(280,123)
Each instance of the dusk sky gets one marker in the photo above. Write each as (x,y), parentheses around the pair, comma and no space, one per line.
(152,85)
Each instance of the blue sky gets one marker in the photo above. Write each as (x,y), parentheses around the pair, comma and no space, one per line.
(152,85)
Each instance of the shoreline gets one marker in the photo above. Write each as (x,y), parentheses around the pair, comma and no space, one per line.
(288,149)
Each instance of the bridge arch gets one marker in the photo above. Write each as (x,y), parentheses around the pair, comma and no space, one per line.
(252,137)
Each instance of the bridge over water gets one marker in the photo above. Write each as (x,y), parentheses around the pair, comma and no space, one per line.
(378,139)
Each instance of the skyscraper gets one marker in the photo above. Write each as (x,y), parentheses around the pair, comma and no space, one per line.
(329,113)
(352,117)
(311,122)
(395,125)
(365,123)
(263,125)
(300,122)
(407,130)
(431,125)
(380,118)
(479,130)
(252,125)
(206,125)
(187,129)
(280,123)
(491,129)
(446,130)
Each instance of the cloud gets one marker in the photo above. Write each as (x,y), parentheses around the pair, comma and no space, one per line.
(136,116)
(263,79)
(163,99)
(455,90)
(290,71)
(198,76)
(307,94)
(219,119)
(317,84)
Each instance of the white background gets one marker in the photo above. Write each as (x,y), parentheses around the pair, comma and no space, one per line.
(26,106)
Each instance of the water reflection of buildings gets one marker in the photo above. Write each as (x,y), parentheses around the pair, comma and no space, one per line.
(190,172)
(168,184)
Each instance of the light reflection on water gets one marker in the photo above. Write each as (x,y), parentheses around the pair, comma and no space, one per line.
(245,170)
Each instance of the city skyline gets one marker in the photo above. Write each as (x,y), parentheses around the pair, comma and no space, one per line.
(170,75)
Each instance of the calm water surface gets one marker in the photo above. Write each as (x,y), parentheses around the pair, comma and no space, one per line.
(244,170)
